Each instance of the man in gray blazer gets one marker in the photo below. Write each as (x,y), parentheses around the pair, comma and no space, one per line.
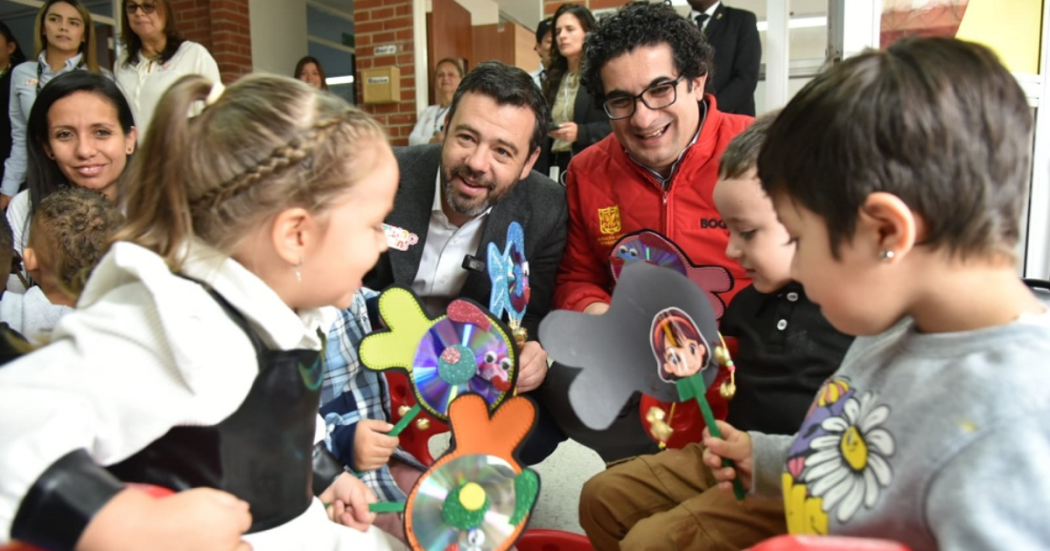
(459,196)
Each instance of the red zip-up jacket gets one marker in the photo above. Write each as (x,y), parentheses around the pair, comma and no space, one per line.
(610,195)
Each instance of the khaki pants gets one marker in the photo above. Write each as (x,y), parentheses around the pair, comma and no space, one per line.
(669,502)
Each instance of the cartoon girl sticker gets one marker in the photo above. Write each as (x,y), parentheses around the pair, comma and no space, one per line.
(680,350)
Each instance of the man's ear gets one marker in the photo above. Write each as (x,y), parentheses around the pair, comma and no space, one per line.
(888,225)
(529,163)
(293,231)
(29,259)
(698,84)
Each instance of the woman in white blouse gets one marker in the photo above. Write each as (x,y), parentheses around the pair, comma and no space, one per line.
(431,124)
(155,56)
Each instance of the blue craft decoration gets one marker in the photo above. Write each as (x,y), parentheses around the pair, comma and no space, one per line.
(509,273)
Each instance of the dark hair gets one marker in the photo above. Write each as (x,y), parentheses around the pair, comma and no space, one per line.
(508,86)
(71,233)
(938,122)
(301,66)
(87,47)
(639,24)
(43,177)
(17,56)
(7,248)
(132,42)
(741,155)
(267,144)
(559,63)
(543,29)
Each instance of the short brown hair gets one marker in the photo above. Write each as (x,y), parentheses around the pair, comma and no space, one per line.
(741,155)
(70,234)
(937,122)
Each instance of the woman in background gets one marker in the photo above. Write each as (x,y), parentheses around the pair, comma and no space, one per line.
(65,41)
(155,56)
(431,124)
(577,121)
(81,133)
(310,71)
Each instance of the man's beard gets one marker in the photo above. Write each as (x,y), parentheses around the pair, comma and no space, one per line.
(465,206)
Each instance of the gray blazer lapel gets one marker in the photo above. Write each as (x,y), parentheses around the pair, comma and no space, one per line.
(415,197)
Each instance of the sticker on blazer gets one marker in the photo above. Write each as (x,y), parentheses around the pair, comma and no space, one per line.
(399,238)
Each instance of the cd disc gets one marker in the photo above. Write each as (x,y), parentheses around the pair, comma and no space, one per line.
(446,349)
(442,495)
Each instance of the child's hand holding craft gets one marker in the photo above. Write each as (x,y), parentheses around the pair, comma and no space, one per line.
(372,445)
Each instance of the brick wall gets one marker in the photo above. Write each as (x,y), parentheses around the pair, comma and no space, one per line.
(385,23)
(551,6)
(222,26)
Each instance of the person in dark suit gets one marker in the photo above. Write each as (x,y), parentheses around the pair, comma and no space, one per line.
(733,33)
(459,196)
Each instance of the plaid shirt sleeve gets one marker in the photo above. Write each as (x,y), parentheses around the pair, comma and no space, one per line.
(350,393)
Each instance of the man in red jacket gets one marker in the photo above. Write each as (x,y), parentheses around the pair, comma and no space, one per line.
(647,66)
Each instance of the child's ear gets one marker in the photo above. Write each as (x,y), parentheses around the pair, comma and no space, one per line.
(888,225)
(292,230)
(29,259)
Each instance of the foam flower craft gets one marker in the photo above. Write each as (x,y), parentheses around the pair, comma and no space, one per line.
(659,329)
(658,337)
(509,273)
(465,350)
(653,248)
(477,497)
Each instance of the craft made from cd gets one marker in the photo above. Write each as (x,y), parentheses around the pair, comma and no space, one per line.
(653,248)
(659,329)
(509,272)
(464,351)
(477,497)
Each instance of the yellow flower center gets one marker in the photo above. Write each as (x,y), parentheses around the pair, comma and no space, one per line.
(472,496)
(854,449)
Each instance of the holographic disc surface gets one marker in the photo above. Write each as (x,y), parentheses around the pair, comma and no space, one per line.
(494,475)
(493,378)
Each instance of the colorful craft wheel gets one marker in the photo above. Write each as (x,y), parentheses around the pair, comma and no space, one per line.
(646,248)
(471,503)
(454,358)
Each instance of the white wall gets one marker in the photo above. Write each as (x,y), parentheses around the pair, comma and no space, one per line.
(278,34)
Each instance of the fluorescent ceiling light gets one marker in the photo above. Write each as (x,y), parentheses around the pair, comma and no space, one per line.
(332,81)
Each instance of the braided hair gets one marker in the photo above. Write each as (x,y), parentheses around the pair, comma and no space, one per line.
(269,143)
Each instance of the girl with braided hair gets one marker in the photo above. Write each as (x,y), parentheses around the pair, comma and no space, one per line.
(192,361)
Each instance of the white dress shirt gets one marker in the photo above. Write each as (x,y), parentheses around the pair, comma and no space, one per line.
(693,14)
(441,274)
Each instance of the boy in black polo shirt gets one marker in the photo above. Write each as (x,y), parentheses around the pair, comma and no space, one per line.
(786,351)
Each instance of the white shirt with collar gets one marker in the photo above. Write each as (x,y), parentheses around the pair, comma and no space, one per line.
(693,14)
(441,274)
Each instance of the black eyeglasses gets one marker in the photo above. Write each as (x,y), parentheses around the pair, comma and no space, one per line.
(657,96)
(146,8)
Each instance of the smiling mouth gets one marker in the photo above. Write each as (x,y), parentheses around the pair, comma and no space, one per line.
(655,133)
(90,170)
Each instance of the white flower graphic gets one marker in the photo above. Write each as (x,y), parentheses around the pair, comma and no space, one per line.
(848,466)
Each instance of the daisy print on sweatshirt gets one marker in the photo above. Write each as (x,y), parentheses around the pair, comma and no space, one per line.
(840,461)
